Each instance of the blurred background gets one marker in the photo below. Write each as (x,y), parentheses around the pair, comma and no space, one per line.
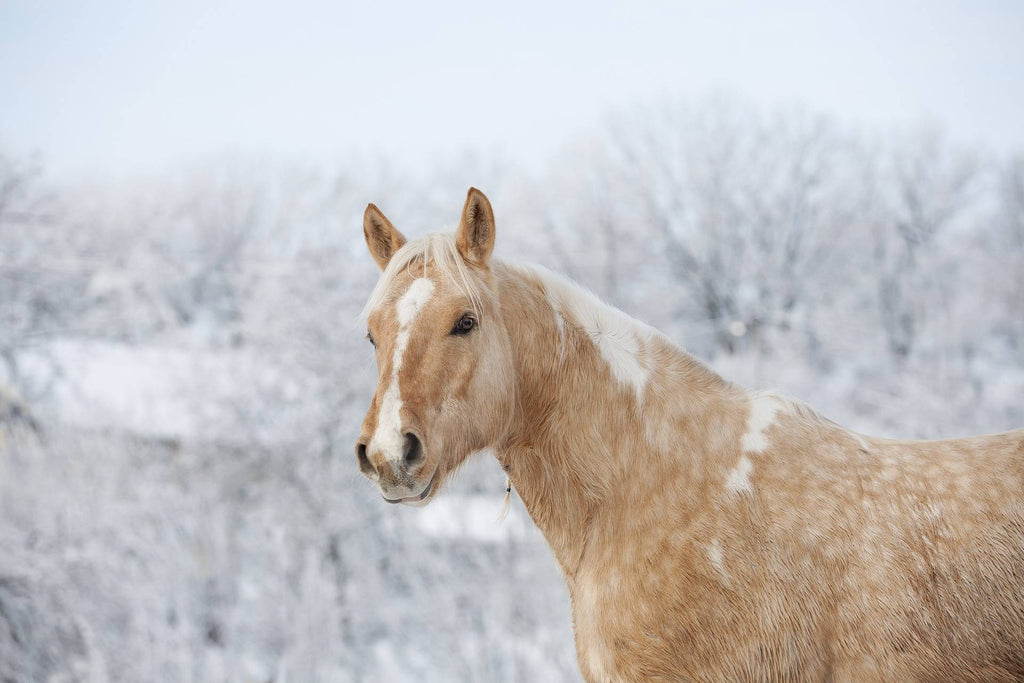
(823,200)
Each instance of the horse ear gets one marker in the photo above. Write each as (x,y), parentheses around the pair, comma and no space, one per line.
(475,236)
(381,237)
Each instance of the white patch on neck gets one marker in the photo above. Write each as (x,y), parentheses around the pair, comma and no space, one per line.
(762,415)
(560,322)
(717,558)
(387,438)
(763,408)
(621,340)
(739,477)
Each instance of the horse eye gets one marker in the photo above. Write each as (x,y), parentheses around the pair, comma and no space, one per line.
(369,337)
(464,325)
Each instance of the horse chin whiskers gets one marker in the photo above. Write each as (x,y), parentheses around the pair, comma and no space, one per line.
(420,499)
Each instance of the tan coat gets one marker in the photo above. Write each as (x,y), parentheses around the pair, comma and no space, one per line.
(706,532)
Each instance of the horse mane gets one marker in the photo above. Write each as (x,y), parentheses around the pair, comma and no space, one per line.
(606,324)
(436,249)
(805,414)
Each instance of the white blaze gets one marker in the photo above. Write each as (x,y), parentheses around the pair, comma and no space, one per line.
(413,301)
(387,438)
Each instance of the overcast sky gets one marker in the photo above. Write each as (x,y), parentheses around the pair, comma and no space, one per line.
(121,87)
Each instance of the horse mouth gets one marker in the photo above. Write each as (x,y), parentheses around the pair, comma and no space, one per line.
(419,498)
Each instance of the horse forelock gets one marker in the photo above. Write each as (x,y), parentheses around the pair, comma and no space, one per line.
(435,252)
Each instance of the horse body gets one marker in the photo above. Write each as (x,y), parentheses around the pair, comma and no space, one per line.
(713,533)
(706,532)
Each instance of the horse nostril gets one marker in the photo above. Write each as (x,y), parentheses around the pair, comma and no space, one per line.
(412,450)
(364,462)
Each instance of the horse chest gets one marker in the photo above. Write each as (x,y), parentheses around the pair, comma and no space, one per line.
(645,616)
(592,601)
(615,618)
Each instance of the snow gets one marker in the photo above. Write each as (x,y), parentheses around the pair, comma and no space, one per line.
(472,518)
(183,375)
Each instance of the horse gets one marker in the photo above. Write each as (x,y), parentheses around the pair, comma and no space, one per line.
(706,532)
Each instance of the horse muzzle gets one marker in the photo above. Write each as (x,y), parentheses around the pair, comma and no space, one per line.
(398,473)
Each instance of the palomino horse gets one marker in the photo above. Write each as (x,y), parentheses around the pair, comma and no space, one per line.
(706,532)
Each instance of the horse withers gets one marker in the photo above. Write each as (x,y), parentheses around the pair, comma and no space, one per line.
(706,532)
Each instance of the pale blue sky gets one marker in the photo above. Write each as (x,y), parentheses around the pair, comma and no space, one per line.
(121,87)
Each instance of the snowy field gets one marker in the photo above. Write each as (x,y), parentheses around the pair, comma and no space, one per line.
(183,374)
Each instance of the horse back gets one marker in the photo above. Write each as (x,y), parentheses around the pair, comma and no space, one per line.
(841,557)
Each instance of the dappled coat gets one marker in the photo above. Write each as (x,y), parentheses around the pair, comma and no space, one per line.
(706,532)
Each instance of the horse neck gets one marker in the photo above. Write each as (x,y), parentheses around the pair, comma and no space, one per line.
(584,432)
